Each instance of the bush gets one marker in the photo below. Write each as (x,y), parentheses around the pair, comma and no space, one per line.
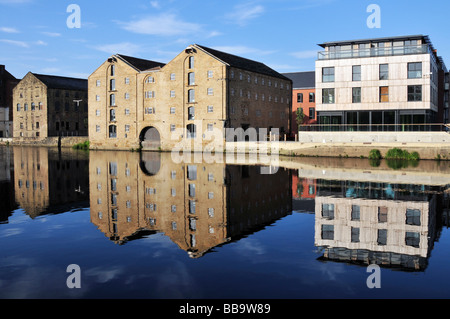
(81,146)
(375,155)
(398,154)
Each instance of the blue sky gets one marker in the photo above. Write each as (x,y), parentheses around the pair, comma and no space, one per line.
(283,34)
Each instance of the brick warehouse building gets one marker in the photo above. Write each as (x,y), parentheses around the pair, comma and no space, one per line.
(137,102)
(49,106)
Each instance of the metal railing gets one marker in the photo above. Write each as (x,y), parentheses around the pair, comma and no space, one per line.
(375,128)
(373,52)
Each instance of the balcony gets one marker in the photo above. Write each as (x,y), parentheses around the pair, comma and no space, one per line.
(374,52)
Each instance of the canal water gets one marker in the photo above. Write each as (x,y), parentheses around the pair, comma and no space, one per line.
(141,226)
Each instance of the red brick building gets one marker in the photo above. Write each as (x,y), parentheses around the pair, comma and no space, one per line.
(304,97)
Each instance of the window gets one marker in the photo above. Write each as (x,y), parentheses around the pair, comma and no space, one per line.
(127,96)
(37,125)
(327,232)
(191,62)
(356,213)
(191,78)
(172,110)
(328,96)
(210,74)
(127,128)
(127,111)
(414,93)
(355,235)
(328,74)
(192,172)
(112,85)
(172,77)
(97,98)
(191,207)
(191,131)
(191,96)
(356,76)
(191,113)
(112,100)
(112,115)
(26,106)
(312,98)
(98,83)
(18,107)
(384,94)
(415,70)
(191,190)
(97,128)
(210,109)
(412,239)
(312,113)
(127,80)
(382,214)
(210,91)
(150,79)
(384,71)
(382,237)
(356,95)
(210,127)
(112,131)
(172,127)
(413,217)
(300,98)
(328,211)
(172,93)
(113,70)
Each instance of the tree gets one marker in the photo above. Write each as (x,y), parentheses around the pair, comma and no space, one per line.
(300,116)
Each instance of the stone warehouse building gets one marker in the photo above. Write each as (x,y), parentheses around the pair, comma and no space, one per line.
(389,83)
(7,84)
(49,106)
(200,92)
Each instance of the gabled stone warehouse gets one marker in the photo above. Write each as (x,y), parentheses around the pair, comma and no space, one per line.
(137,102)
(50,106)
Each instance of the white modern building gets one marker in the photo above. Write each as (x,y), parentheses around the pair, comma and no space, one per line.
(383,84)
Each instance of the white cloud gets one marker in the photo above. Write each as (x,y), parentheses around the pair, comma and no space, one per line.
(125,48)
(9,30)
(162,25)
(16,43)
(51,34)
(40,42)
(305,54)
(243,13)
(155,4)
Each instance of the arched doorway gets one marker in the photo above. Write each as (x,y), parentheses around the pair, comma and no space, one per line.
(150,138)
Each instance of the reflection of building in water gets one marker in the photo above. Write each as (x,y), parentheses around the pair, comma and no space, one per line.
(199,206)
(303,193)
(386,224)
(49,182)
(6,185)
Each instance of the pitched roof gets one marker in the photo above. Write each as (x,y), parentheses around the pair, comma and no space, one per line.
(140,64)
(60,82)
(302,80)
(243,63)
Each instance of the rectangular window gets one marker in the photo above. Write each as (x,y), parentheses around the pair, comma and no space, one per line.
(413,217)
(191,96)
(172,127)
(414,93)
(382,214)
(327,232)
(172,93)
(312,97)
(113,85)
(355,235)
(384,71)
(300,98)
(382,237)
(356,95)
(98,83)
(191,78)
(312,113)
(384,94)
(210,127)
(412,239)
(172,77)
(328,75)
(356,213)
(210,74)
(415,70)
(328,211)
(210,91)
(328,96)
(210,109)
(356,75)
(127,80)
(127,128)
(172,110)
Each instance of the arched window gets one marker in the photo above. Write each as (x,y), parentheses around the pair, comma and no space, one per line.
(191,131)
(191,113)
(112,115)
(191,96)
(191,62)
(112,131)
(113,70)
(19,107)
(33,106)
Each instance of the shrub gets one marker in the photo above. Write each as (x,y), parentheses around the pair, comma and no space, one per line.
(375,155)
(81,146)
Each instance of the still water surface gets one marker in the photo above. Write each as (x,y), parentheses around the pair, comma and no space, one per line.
(141,226)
